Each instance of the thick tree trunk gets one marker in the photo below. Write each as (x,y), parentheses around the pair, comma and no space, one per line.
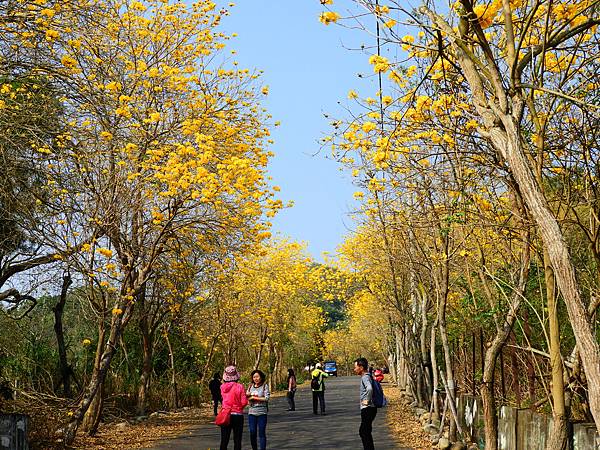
(65,369)
(488,399)
(93,415)
(95,384)
(557,440)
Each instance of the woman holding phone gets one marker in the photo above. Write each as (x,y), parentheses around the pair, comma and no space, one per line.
(258,394)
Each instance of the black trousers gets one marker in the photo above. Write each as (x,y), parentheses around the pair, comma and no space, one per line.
(367,416)
(290,399)
(237,425)
(216,402)
(318,397)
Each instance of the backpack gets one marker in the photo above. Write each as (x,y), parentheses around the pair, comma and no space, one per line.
(378,398)
(315,383)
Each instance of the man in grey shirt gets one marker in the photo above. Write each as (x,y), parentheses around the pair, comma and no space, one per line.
(368,411)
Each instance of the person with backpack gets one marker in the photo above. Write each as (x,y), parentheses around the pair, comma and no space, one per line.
(258,394)
(371,397)
(317,386)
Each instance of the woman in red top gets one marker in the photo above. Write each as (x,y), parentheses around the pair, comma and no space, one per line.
(234,398)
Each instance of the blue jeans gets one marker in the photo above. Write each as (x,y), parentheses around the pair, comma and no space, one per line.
(259,422)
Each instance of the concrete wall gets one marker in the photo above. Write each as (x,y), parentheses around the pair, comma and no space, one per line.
(507,430)
(13,432)
(521,429)
(585,436)
(532,429)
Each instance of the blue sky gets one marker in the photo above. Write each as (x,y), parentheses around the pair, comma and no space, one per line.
(308,71)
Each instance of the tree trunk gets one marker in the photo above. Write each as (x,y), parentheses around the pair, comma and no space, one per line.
(425,356)
(488,398)
(557,440)
(65,369)
(92,416)
(434,370)
(96,382)
(263,340)
(174,392)
(442,304)
(147,350)
(147,329)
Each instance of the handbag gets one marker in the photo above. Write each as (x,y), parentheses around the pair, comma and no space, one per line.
(224,417)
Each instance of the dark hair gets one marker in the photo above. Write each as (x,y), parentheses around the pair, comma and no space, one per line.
(362,362)
(291,373)
(217,376)
(260,373)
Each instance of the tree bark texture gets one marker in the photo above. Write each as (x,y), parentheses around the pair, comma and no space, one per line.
(65,369)
(557,439)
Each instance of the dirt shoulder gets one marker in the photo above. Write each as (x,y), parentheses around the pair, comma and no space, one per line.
(405,428)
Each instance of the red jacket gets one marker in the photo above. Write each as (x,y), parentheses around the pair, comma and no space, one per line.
(234,396)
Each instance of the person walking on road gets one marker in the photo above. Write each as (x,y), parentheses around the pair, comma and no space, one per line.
(215,390)
(258,394)
(368,411)
(291,392)
(234,398)
(317,385)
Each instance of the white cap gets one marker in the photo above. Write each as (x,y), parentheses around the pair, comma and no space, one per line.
(318,365)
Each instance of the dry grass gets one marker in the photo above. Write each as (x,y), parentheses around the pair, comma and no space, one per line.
(147,433)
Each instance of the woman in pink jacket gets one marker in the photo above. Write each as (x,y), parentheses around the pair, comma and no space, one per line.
(234,398)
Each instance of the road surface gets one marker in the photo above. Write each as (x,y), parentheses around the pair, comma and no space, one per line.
(300,429)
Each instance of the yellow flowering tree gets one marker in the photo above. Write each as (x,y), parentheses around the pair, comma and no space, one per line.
(260,311)
(162,143)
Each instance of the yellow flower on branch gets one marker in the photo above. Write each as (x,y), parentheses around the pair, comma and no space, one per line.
(52,35)
(105,252)
(329,17)
(380,64)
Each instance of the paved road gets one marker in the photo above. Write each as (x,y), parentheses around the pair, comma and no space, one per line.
(301,429)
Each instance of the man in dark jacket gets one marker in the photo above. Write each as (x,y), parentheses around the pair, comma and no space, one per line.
(215,390)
